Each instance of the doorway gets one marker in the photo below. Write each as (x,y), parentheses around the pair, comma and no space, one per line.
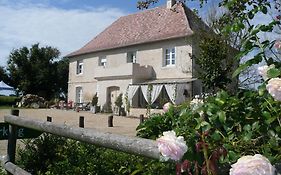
(112,94)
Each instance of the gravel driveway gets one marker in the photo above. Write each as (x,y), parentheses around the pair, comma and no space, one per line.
(122,125)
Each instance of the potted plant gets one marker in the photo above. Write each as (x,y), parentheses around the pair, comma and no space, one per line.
(94,107)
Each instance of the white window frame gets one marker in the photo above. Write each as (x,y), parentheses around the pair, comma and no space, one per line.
(79,94)
(132,57)
(79,67)
(102,61)
(169,56)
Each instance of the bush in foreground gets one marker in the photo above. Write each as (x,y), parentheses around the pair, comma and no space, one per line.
(54,155)
(222,129)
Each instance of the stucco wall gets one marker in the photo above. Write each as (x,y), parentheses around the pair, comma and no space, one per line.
(89,90)
(153,54)
(147,54)
(104,85)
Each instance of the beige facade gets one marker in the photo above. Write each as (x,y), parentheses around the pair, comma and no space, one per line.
(110,72)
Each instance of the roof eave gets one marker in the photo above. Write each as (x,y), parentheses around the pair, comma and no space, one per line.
(71,55)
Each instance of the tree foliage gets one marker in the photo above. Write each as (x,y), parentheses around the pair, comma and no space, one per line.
(35,70)
(4,75)
(214,62)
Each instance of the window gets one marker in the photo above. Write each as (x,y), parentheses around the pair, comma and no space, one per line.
(170,56)
(102,61)
(79,68)
(132,57)
(79,95)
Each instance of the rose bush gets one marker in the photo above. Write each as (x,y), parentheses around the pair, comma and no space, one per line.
(230,126)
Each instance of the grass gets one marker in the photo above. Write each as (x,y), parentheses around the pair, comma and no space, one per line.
(7,107)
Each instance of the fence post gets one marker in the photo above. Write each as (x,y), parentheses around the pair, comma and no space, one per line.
(12,140)
(110,121)
(49,119)
(81,122)
(141,118)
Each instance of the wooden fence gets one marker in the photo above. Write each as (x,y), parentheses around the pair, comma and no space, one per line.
(132,145)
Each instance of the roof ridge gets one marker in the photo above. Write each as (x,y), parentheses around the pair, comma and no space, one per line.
(144,11)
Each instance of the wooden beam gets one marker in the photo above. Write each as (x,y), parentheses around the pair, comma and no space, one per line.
(132,145)
(12,140)
(12,168)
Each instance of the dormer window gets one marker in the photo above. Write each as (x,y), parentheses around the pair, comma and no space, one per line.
(79,68)
(170,56)
(132,57)
(102,61)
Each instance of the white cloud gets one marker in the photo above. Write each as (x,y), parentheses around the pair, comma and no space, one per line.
(68,30)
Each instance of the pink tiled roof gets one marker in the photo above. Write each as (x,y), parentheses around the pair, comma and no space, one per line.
(151,25)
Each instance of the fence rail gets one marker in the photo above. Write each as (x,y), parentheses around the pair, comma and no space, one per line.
(132,145)
(12,168)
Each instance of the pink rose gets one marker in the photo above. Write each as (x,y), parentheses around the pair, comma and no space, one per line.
(167,106)
(277,44)
(252,165)
(171,146)
(274,88)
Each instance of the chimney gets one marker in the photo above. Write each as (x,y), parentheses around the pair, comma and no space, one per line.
(170,3)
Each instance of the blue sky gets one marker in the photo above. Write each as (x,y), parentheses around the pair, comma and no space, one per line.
(64,24)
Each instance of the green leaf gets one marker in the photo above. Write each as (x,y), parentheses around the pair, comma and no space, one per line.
(261,89)
(264,10)
(248,136)
(273,73)
(216,136)
(239,70)
(255,126)
(247,127)
(266,114)
(251,15)
(222,116)
(205,126)
(136,172)
(220,101)
(232,155)
(270,120)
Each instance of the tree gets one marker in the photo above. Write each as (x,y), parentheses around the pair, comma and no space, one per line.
(35,70)
(215,65)
(62,75)
(3,75)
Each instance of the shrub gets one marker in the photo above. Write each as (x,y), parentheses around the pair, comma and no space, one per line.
(95,100)
(119,101)
(54,155)
(8,100)
(223,129)
(33,101)
(2,171)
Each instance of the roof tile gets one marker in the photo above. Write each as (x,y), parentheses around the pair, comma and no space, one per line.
(151,25)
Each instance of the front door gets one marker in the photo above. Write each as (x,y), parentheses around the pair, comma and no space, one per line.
(113,93)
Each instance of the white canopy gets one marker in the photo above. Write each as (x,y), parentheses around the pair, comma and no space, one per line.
(6,89)
(177,89)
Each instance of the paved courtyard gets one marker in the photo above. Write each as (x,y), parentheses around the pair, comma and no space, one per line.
(121,125)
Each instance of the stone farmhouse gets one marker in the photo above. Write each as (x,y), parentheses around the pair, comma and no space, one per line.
(146,56)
